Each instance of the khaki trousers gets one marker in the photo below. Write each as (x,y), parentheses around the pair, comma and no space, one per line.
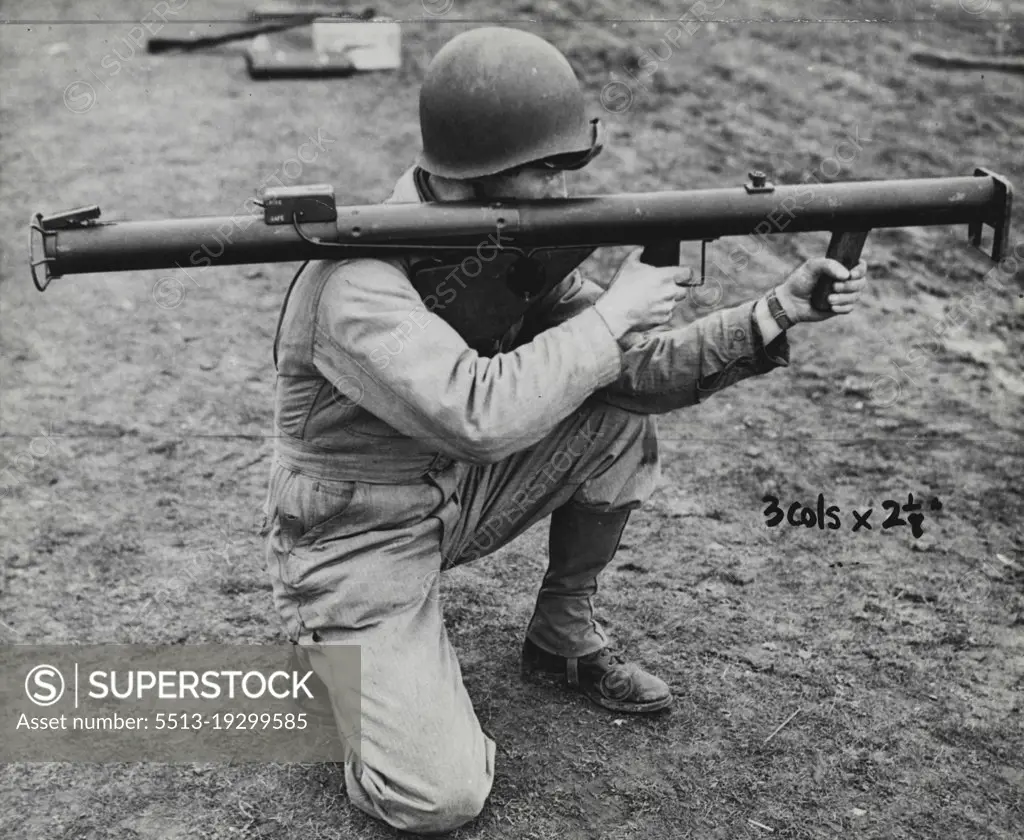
(357,563)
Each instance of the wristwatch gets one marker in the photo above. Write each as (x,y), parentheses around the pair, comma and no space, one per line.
(778,313)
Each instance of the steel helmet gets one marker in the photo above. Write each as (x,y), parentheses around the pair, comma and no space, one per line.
(497,98)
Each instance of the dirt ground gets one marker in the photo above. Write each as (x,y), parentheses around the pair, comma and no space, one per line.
(136,430)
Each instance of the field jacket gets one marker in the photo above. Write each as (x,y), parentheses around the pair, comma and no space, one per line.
(372,386)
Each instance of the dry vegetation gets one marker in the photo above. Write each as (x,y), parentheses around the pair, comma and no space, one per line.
(905,657)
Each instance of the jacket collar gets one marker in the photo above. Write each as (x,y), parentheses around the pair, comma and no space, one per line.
(412,188)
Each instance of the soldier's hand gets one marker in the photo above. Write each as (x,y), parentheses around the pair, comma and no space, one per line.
(641,296)
(795,293)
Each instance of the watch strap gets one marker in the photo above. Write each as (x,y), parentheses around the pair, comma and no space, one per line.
(778,313)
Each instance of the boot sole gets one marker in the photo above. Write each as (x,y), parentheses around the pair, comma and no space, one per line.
(630,708)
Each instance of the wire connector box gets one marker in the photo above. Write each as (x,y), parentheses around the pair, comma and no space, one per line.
(306,203)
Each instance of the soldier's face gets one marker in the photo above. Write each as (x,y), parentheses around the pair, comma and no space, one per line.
(525,183)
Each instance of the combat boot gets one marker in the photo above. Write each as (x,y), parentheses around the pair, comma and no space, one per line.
(605,677)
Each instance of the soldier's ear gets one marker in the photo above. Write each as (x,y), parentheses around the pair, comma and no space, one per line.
(482,188)
(450,189)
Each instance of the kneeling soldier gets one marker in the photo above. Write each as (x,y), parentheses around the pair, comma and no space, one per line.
(392,465)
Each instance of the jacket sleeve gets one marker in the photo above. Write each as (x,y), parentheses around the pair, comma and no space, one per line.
(568,298)
(376,342)
(675,368)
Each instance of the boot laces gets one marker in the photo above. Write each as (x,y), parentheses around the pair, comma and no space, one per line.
(607,657)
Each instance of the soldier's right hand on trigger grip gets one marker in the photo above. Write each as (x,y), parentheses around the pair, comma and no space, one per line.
(641,296)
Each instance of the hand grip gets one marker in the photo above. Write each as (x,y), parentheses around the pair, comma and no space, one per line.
(661,254)
(844,247)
